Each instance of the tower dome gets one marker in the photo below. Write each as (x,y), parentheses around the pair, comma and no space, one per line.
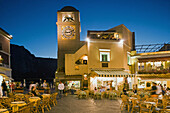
(68,9)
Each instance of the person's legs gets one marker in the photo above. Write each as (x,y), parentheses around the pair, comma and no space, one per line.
(59,93)
(3,93)
(71,91)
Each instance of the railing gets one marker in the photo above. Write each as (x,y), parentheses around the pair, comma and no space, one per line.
(4,65)
(154,71)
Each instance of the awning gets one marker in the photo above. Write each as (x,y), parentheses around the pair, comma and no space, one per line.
(6,78)
(113,73)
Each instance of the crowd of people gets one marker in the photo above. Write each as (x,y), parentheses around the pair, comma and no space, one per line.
(7,87)
(158,89)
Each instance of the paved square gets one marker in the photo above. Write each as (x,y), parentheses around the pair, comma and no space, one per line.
(71,104)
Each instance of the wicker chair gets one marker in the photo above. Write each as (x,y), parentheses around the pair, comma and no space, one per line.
(135,106)
(145,108)
(125,103)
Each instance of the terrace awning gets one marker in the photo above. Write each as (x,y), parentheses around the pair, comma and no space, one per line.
(113,73)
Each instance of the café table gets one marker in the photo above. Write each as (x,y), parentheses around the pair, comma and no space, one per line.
(34,99)
(4,111)
(15,105)
(132,98)
(45,95)
(19,94)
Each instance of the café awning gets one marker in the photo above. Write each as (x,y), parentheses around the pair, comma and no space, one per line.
(5,77)
(113,73)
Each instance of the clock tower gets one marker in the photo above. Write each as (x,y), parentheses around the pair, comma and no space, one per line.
(68,33)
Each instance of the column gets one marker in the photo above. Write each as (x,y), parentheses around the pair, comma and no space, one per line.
(145,66)
(116,84)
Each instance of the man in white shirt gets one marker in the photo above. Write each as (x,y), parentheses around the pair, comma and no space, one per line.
(159,90)
(60,88)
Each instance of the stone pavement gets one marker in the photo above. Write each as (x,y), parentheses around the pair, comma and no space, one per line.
(71,104)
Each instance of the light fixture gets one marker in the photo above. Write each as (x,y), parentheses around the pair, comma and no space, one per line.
(85,75)
(121,41)
(87,39)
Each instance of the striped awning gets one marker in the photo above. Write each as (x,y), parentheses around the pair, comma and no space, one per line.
(113,73)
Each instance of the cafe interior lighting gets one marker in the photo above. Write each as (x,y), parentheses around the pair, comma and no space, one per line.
(87,39)
(121,41)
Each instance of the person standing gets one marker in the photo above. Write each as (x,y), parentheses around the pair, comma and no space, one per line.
(1,93)
(4,88)
(45,86)
(72,89)
(159,89)
(60,88)
(154,89)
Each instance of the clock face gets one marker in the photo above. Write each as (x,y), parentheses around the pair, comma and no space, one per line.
(68,32)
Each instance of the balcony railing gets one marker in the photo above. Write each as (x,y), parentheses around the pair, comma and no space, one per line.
(154,71)
(4,65)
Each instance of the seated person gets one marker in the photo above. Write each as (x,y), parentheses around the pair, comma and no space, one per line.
(102,89)
(124,91)
(95,90)
(35,92)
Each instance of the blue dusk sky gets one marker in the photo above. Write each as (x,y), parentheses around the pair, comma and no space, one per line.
(33,22)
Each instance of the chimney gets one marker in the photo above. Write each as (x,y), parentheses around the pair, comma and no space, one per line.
(133,42)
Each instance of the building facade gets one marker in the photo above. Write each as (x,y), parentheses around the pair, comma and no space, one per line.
(5,70)
(152,67)
(103,60)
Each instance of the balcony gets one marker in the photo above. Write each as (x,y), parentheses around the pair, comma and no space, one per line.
(104,35)
(154,71)
(4,65)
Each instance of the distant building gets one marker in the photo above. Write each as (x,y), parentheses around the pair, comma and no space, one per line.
(152,67)
(5,66)
(26,66)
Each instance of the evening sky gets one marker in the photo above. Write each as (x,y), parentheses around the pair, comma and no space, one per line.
(33,22)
